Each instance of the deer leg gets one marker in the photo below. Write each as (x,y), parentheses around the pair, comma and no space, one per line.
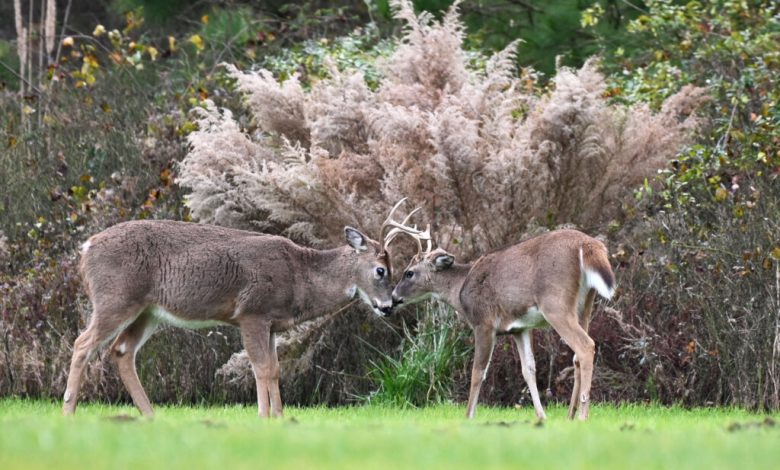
(575,390)
(584,320)
(524,343)
(123,352)
(484,342)
(256,336)
(273,387)
(566,324)
(102,327)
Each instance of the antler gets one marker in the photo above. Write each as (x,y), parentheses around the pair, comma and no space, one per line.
(397,228)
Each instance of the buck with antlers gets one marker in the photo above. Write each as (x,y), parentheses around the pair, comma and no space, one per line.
(141,273)
(548,280)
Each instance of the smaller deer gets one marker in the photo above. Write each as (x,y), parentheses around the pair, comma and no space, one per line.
(547,280)
(142,273)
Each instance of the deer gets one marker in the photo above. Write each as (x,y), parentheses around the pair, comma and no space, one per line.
(548,280)
(140,274)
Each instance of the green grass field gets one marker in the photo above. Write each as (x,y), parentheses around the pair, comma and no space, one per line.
(33,435)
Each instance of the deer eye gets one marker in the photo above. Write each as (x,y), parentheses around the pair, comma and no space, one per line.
(380,272)
(409,274)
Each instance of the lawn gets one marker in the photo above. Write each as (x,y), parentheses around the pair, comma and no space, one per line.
(34,435)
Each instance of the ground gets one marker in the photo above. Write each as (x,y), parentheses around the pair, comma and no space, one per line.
(33,435)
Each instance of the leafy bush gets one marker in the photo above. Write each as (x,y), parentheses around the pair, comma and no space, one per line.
(699,253)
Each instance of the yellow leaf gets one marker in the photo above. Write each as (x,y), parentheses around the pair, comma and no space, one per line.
(721,194)
(197,41)
(152,53)
(91,60)
(26,109)
(204,19)
(172,43)
(67,42)
(775,254)
(99,30)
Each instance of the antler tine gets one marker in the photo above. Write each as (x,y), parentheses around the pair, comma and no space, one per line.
(426,235)
(386,223)
(418,235)
(402,227)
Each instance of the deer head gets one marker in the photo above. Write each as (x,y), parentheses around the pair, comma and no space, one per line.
(373,280)
(420,279)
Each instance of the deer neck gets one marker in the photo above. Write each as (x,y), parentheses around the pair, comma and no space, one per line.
(330,279)
(450,283)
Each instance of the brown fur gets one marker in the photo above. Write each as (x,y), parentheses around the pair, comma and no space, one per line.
(203,273)
(501,292)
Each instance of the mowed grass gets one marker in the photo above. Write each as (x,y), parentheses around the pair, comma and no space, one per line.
(34,435)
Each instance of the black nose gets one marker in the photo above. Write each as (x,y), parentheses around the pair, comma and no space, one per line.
(386,310)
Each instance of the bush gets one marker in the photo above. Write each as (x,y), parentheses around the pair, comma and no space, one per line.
(698,254)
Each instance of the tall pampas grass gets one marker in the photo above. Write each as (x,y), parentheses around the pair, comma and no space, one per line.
(485,151)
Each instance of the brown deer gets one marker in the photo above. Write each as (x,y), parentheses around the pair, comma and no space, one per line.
(547,280)
(141,273)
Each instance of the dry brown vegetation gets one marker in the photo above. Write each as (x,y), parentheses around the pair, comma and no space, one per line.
(485,151)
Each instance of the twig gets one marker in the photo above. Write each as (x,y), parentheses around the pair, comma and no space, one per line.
(703,248)
(62,32)
(343,374)
(21,78)
(724,139)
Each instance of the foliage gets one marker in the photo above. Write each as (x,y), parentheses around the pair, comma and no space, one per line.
(698,253)
(312,60)
(428,360)
(34,435)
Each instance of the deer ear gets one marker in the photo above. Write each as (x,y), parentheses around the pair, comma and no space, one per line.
(443,261)
(355,239)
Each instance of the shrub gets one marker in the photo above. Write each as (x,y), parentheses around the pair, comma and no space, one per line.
(698,255)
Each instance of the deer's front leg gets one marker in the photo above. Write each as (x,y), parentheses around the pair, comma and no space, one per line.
(256,336)
(524,343)
(273,385)
(484,341)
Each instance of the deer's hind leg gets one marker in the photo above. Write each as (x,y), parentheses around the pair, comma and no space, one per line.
(584,320)
(563,318)
(105,323)
(123,352)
